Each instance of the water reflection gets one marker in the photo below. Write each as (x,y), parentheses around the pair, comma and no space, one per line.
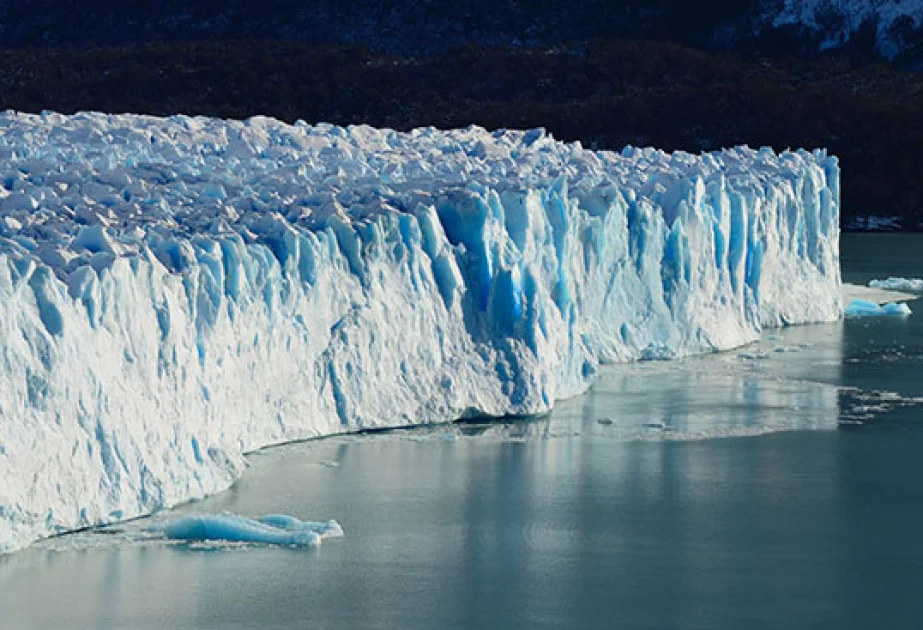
(782,383)
(559,521)
(546,533)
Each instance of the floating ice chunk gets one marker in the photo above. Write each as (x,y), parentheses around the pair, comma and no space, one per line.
(907,285)
(864,308)
(328,529)
(853,292)
(893,308)
(274,529)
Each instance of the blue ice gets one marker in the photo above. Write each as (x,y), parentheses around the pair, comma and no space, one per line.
(864,308)
(271,529)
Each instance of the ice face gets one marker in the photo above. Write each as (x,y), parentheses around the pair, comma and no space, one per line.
(177,292)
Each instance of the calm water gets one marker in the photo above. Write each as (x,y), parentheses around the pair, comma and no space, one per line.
(778,487)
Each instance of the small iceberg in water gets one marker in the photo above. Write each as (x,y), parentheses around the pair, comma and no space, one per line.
(865,308)
(905,285)
(270,529)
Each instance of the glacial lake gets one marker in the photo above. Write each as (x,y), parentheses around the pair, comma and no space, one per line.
(775,486)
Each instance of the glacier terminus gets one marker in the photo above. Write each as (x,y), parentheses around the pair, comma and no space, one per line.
(177,292)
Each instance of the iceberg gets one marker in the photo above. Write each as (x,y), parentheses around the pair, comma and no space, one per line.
(177,292)
(271,529)
(853,292)
(865,308)
(904,285)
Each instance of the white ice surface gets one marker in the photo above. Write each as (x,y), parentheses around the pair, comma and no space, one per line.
(906,285)
(177,292)
(879,296)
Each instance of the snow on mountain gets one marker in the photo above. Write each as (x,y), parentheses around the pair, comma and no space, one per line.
(835,22)
(431,26)
(177,292)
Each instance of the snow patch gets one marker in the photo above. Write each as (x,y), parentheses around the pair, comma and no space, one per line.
(837,21)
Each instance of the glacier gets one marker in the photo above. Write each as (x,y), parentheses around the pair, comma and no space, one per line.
(177,292)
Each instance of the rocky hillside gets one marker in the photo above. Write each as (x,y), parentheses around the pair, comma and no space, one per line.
(865,28)
(890,29)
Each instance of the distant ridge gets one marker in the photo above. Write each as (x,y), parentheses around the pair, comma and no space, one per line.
(864,28)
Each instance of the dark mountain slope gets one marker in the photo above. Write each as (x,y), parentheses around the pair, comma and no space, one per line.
(862,28)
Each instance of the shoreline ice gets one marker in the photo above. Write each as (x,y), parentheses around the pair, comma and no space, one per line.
(175,292)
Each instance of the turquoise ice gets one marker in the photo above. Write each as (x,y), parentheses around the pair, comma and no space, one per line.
(176,292)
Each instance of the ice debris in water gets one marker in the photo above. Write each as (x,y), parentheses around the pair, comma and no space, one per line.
(176,292)
(905,285)
(271,529)
(865,308)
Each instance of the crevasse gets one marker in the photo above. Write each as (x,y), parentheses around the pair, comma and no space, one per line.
(177,292)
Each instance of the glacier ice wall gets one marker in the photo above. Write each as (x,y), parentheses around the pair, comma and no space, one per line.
(177,292)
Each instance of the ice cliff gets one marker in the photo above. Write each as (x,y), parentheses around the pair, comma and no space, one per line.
(177,292)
